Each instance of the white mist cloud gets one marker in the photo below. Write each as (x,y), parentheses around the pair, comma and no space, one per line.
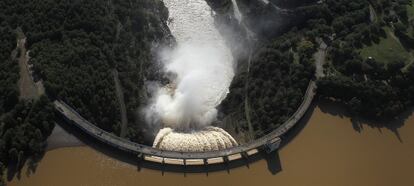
(203,73)
(201,66)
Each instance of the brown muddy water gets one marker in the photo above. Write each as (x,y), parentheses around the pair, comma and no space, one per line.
(329,151)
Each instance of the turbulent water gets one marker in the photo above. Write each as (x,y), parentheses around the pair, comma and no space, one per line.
(201,64)
(202,70)
(208,139)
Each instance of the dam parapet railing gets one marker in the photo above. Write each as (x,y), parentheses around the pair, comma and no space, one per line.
(269,142)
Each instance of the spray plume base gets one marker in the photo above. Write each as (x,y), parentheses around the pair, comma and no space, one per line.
(207,139)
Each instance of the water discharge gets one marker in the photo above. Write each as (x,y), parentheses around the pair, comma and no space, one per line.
(200,69)
(209,139)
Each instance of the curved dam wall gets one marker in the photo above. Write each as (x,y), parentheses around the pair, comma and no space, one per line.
(270,142)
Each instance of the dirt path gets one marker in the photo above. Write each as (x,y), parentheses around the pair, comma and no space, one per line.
(121,100)
(119,91)
(372,14)
(320,57)
(27,87)
(246,100)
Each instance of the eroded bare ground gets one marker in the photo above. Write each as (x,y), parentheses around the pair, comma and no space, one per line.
(28,87)
(61,138)
(32,88)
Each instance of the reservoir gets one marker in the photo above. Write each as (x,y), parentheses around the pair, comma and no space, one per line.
(327,150)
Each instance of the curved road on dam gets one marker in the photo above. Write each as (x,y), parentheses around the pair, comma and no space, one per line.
(269,142)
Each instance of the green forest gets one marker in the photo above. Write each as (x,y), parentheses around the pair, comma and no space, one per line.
(369,66)
(24,124)
(75,48)
(371,56)
(266,95)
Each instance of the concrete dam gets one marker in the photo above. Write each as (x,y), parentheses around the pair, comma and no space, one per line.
(187,137)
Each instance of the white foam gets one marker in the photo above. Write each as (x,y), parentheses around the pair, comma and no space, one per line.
(208,139)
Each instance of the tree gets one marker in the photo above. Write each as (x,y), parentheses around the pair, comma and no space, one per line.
(306,47)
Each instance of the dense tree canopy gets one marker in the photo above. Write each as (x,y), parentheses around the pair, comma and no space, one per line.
(77,45)
(75,48)
(377,88)
(276,85)
(9,73)
(273,87)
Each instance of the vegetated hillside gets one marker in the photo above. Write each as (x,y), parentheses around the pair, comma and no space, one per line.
(75,49)
(263,98)
(281,67)
(370,65)
(9,70)
(278,81)
(265,95)
(77,45)
(24,124)
(371,68)
(269,20)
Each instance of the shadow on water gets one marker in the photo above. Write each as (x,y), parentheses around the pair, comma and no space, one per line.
(358,123)
(134,160)
(273,162)
(293,132)
(14,168)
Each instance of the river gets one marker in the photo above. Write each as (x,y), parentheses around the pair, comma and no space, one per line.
(327,151)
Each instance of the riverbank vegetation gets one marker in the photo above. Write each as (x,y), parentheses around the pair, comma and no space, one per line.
(371,57)
(75,48)
(271,89)
(9,74)
(24,124)
(370,52)
(369,65)
(277,82)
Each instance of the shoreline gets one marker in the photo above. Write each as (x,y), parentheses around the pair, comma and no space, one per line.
(61,138)
(340,154)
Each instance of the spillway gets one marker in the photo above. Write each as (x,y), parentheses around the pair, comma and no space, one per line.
(203,68)
(208,139)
